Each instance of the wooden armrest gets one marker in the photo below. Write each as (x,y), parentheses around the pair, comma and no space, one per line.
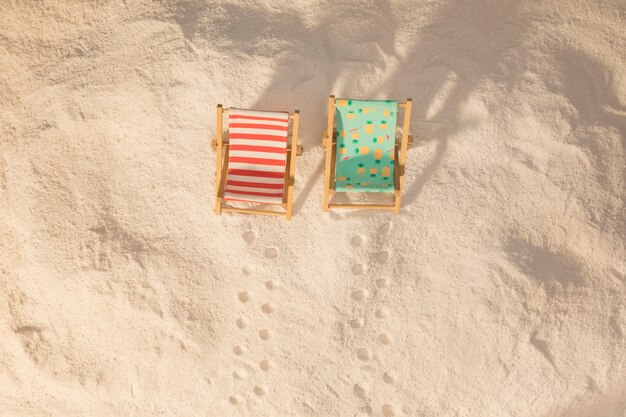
(214,143)
(326,140)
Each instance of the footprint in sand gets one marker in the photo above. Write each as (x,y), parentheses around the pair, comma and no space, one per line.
(362,390)
(266,365)
(356,323)
(357,241)
(236,399)
(271,253)
(385,339)
(384,228)
(389,377)
(268,308)
(264,334)
(389,410)
(364,354)
(249,237)
(381,313)
(260,390)
(240,374)
(381,257)
(245,296)
(360,295)
(358,269)
(272,284)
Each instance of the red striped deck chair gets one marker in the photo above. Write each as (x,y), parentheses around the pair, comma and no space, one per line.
(255,161)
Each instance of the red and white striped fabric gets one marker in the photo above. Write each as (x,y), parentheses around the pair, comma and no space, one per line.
(257,156)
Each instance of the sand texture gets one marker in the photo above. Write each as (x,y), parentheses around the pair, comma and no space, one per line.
(500,289)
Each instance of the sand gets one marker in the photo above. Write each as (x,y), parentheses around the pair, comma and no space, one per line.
(500,290)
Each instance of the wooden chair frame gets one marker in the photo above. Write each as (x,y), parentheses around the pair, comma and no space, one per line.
(329,141)
(220,143)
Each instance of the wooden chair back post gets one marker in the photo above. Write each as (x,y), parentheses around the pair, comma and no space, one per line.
(405,136)
(331,117)
(402,154)
(218,136)
(292,162)
(219,161)
(328,141)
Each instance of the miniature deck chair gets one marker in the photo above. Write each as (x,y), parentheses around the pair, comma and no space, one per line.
(362,153)
(255,163)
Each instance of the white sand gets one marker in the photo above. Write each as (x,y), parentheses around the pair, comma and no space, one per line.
(499,291)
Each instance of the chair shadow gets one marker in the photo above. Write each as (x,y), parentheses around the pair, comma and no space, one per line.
(308,187)
(463,45)
(311,66)
(310,70)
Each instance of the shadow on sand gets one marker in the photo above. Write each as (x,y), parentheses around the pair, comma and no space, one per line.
(463,45)
(339,51)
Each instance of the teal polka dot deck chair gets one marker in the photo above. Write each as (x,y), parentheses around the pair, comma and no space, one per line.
(362,152)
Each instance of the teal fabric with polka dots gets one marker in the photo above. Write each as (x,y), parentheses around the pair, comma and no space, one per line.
(366,139)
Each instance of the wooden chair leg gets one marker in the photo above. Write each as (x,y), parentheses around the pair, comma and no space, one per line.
(327,176)
(289,202)
(295,150)
(219,164)
(398,201)
(325,206)
(327,142)
(220,186)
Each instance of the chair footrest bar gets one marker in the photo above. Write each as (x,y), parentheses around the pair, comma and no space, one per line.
(365,206)
(251,211)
